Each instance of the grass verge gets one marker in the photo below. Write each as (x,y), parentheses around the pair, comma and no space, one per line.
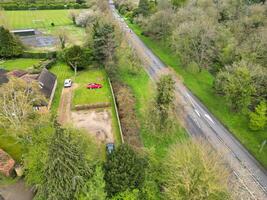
(201,85)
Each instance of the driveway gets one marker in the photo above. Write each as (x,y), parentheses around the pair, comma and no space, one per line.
(16,191)
(64,114)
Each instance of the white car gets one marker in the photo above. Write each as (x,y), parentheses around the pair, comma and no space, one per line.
(67,83)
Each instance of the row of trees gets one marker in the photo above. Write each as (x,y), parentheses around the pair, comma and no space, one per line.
(223,37)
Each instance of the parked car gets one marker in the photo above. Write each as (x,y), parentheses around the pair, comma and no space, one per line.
(67,83)
(94,86)
(110,147)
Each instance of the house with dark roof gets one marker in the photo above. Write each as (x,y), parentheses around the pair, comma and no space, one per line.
(47,82)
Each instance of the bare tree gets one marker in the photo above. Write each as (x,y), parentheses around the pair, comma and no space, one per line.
(63,37)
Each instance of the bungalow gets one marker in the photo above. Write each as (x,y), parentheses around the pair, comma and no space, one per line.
(47,82)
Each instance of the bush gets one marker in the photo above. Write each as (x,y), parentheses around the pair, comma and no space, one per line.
(258,119)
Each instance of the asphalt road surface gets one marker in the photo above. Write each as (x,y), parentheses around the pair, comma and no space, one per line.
(199,122)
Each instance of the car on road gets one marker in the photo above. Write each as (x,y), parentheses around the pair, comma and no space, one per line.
(94,86)
(67,83)
(110,147)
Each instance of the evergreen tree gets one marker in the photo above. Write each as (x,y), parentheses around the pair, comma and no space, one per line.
(124,170)
(94,189)
(258,119)
(66,167)
(10,46)
(104,43)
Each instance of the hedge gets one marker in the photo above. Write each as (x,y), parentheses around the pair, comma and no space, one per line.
(49,6)
(40,55)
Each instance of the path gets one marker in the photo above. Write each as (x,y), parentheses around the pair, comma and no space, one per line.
(17,191)
(199,122)
(64,110)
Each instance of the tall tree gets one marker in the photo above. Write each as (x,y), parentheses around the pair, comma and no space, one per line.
(144,7)
(66,169)
(10,46)
(104,43)
(94,189)
(194,171)
(124,170)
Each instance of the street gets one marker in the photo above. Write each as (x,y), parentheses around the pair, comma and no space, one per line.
(199,122)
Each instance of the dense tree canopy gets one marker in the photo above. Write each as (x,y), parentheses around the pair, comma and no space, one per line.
(10,46)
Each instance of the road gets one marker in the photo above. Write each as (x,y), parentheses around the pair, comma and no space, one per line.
(199,122)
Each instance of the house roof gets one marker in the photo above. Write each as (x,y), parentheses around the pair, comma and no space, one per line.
(17,73)
(6,163)
(47,81)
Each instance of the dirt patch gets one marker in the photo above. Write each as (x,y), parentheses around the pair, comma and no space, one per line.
(96,122)
(65,106)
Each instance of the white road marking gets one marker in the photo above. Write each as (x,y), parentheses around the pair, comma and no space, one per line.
(209,118)
(196,111)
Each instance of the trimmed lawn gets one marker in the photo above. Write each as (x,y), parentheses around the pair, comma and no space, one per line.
(144,90)
(20,63)
(36,19)
(201,85)
(82,95)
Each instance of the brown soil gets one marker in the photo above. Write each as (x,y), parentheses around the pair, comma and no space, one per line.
(96,122)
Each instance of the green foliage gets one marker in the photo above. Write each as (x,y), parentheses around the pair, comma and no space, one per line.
(164,102)
(94,189)
(144,7)
(178,3)
(66,169)
(236,85)
(258,119)
(194,171)
(124,170)
(76,57)
(104,43)
(10,46)
(127,195)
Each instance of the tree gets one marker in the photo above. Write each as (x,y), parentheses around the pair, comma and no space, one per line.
(236,84)
(94,189)
(124,170)
(143,7)
(258,119)
(162,108)
(66,168)
(62,36)
(17,99)
(193,170)
(178,3)
(104,43)
(76,57)
(127,195)
(10,46)
(72,16)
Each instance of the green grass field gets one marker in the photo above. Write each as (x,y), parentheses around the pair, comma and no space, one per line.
(35,19)
(201,85)
(21,63)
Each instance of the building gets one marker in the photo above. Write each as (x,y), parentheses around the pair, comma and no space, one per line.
(47,82)
(25,32)
(7,164)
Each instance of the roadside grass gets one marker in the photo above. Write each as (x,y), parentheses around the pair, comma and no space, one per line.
(82,95)
(36,19)
(201,84)
(144,90)
(19,63)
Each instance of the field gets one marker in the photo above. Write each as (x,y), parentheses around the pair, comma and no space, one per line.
(35,19)
(201,84)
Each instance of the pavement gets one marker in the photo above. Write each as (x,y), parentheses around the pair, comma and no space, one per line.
(199,122)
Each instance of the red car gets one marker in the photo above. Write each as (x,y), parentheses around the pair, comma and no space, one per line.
(94,86)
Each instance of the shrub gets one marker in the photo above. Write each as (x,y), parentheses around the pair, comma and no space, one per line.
(258,119)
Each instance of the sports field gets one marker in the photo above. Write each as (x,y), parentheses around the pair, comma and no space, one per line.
(35,19)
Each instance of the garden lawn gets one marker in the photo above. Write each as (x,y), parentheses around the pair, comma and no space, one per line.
(20,63)
(201,85)
(81,94)
(35,18)
(144,90)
